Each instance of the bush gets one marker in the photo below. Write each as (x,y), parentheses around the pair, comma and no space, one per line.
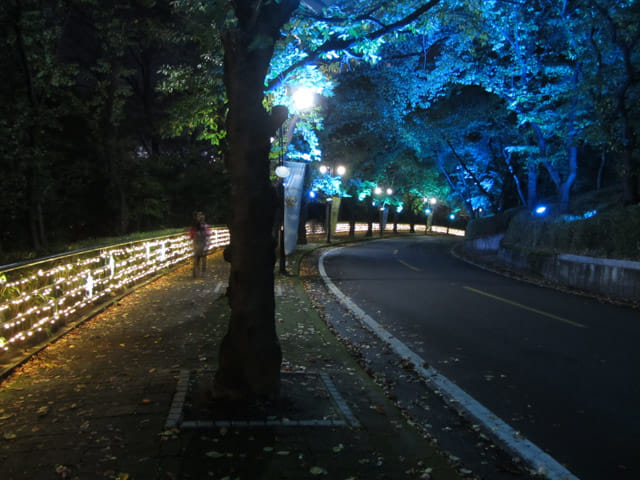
(614,233)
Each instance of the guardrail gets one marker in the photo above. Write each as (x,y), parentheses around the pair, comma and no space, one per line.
(38,298)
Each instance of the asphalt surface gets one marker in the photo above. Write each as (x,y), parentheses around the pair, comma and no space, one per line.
(562,369)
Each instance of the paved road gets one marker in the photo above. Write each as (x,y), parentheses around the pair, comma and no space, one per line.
(561,369)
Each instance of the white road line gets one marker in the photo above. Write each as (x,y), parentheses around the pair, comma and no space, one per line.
(540,461)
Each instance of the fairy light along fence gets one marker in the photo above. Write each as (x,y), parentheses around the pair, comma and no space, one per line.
(343,227)
(38,298)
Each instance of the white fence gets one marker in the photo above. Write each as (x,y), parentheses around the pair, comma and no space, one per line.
(39,297)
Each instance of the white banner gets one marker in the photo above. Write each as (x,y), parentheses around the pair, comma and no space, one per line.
(293,186)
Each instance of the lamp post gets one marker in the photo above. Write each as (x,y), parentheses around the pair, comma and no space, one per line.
(383,206)
(303,100)
(429,212)
(327,170)
(282,172)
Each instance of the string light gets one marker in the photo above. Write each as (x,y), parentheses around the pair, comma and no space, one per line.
(33,302)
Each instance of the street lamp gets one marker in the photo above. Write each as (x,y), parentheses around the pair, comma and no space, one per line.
(383,208)
(326,170)
(429,212)
(303,99)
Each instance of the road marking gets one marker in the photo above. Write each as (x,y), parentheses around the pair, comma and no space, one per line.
(541,462)
(524,307)
(415,269)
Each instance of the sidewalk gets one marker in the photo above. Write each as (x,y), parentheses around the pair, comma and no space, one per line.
(125,396)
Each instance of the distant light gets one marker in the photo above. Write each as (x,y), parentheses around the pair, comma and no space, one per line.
(427,211)
(378,191)
(589,214)
(541,209)
(433,200)
(452,216)
(389,191)
(303,98)
(362,196)
(399,208)
(341,170)
(282,171)
(312,194)
(323,169)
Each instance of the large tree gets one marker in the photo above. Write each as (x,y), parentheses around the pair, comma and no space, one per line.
(250,355)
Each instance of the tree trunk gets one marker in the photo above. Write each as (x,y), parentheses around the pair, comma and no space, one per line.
(250,354)
(507,160)
(532,184)
(603,161)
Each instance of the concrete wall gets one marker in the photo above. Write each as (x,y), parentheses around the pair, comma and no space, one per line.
(614,278)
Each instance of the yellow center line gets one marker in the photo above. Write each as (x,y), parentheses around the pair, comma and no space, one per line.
(535,310)
(415,269)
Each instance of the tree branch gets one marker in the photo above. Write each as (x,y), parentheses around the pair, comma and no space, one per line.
(343,44)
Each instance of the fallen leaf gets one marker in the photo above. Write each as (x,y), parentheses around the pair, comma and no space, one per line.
(317,471)
(214,454)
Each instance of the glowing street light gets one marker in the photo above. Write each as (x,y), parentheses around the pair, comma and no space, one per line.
(340,170)
(303,98)
(429,212)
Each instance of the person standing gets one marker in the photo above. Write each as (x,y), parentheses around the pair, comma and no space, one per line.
(199,234)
